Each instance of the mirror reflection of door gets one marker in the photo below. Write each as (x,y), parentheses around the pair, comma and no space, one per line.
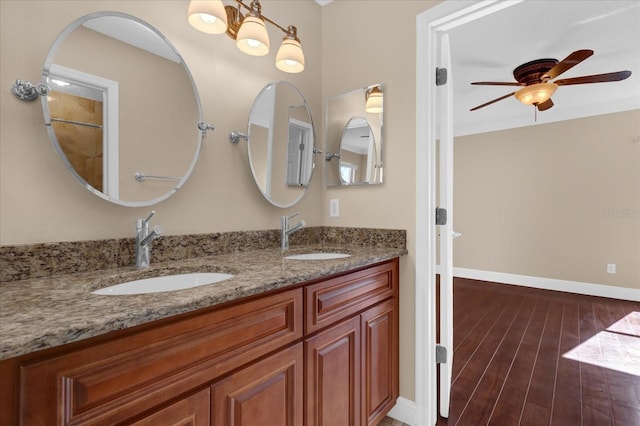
(300,148)
(83,105)
(77,121)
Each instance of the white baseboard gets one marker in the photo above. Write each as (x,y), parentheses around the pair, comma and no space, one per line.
(404,411)
(549,284)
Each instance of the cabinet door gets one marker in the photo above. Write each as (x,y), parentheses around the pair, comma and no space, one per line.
(333,376)
(379,361)
(269,392)
(190,411)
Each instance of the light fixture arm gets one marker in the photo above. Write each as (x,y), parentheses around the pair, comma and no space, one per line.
(257,7)
(234,17)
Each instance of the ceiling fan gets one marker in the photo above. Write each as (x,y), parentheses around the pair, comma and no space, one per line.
(534,78)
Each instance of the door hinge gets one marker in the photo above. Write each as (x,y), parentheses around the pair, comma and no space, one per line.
(441,76)
(441,216)
(441,354)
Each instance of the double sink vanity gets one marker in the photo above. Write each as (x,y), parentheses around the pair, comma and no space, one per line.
(235,328)
(307,336)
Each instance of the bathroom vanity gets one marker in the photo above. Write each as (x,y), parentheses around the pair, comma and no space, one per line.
(318,345)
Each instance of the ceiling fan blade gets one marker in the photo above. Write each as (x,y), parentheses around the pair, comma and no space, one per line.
(596,78)
(497,83)
(493,101)
(567,63)
(545,105)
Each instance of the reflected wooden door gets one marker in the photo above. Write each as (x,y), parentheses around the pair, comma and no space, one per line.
(77,123)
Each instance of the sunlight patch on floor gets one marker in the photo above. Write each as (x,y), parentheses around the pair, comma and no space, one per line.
(616,348)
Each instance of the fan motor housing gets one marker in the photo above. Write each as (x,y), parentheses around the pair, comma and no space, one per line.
(532,72)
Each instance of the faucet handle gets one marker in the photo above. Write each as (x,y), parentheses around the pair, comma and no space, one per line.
(294,215)
(145,221)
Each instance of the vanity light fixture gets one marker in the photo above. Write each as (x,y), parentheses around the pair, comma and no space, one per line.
(249,32)
(208,16)
(374,98)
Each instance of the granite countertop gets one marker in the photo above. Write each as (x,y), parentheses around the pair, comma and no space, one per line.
(41,313)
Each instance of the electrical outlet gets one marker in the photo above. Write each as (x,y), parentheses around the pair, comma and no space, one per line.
(611,268)
(334,207)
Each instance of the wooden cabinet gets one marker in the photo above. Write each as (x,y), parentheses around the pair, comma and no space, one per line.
(352,365)
(119,379)
(379,361)
(323,353)
(269,392)
(333,376)
(190,411)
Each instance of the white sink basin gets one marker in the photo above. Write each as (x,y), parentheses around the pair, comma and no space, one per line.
(162,284)
(317,256)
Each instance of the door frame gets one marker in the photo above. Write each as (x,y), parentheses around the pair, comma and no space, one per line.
(441,18)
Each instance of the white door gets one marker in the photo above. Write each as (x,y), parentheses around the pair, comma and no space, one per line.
(445,201)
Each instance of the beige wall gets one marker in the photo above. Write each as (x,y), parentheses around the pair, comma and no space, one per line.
(558,200)
(39,199)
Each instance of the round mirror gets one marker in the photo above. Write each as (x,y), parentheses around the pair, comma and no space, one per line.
(122,110)
(358,153)
(281,144)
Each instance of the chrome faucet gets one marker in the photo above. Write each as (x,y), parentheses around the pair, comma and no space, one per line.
(144,238)
(285,231)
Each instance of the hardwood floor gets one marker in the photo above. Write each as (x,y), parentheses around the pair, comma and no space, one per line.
(388,421)
(534,357)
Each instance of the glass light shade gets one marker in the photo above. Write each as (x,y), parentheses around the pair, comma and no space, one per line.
(290,57)
(536,93)
(207,16)
(252,36)
(374,100)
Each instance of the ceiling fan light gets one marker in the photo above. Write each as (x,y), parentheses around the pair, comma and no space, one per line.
(290,57)
(253,38)
(374,100)
(535,94)
(207,16)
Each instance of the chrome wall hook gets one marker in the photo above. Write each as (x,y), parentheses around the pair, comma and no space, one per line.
(204,127)
(26,91)
(235,136)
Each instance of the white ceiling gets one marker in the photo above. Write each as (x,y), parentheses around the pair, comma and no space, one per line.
(489,48)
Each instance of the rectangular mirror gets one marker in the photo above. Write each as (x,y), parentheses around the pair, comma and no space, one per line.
(353,137)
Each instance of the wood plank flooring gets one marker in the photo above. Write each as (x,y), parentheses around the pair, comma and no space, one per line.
(534,357)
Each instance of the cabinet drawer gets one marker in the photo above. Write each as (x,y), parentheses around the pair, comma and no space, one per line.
(329,301)
(113,381)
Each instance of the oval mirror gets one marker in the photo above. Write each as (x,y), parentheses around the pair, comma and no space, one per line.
(281,144)
(353,137)
(358,153)
(122,110)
